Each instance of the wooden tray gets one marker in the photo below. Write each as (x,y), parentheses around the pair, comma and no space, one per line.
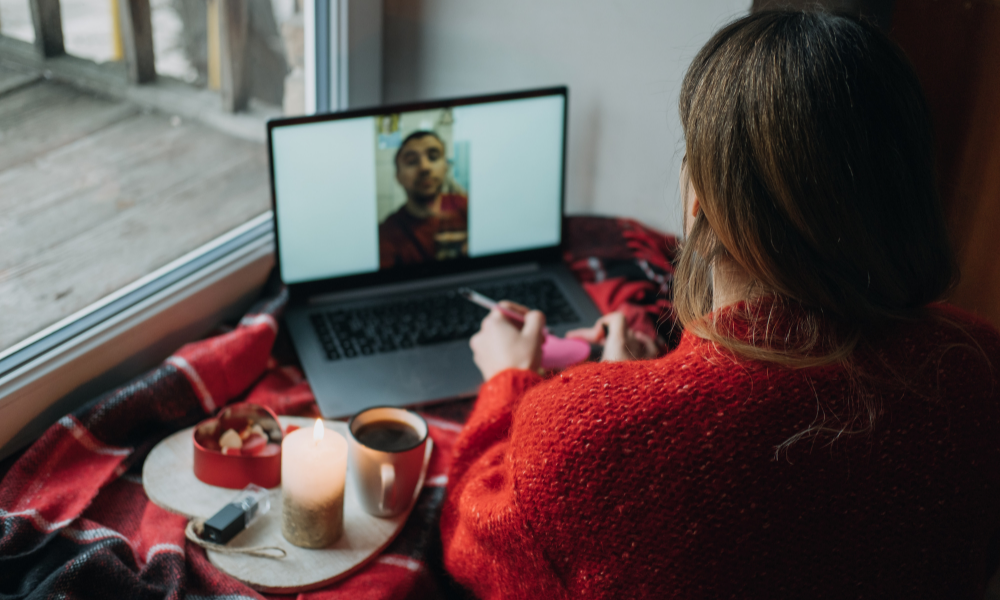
(169,480)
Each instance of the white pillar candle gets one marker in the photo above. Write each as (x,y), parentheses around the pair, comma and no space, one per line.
(313,469)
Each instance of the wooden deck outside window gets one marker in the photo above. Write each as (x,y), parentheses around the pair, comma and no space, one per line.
(46,15)
(137,38)
(229,31)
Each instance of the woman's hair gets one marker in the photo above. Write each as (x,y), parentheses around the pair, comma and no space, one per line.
(809,148)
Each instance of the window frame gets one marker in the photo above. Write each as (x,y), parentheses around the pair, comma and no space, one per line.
(130,331)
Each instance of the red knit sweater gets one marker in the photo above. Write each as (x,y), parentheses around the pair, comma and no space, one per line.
(662,478)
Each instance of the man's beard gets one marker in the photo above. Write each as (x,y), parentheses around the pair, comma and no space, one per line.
(425,199)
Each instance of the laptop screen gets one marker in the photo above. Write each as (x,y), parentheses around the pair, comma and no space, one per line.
(361,194)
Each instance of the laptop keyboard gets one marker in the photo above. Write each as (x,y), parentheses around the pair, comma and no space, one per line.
(428,320)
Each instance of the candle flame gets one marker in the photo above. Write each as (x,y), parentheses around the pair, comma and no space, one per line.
(318,431)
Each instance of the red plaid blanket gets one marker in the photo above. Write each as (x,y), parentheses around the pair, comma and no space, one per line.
(75,522)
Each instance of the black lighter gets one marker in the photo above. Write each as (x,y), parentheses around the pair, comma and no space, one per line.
(249,505)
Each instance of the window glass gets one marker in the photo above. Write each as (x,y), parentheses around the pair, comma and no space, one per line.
(87,29)
(186,41)
(15,20)
(100,191)
(170,39)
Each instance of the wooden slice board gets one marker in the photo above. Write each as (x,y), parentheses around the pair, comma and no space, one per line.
(169,480)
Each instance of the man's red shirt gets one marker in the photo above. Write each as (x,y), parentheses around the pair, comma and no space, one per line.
(404,239)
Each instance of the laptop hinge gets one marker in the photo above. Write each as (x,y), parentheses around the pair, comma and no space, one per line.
(423,284)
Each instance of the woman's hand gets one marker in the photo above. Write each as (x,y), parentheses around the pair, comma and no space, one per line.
(620,342)
(501,344)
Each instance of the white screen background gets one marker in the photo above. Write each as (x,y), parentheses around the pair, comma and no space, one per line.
(515,173)
(324,179)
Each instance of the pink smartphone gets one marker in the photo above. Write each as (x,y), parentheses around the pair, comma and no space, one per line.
(557,352)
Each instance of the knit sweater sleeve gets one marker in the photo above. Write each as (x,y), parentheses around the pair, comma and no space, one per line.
(487,546)
(553,498)
(490,420)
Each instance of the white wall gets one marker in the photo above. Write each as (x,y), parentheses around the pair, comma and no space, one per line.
(623,61)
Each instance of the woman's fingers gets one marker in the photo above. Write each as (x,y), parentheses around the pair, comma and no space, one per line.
(496,319)
(514,306)
(623,343)
(592,335)
(614,342)
(534,323)
(501,344)
(645,346)
(533,335)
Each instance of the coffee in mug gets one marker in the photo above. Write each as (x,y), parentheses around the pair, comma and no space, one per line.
(388,449)
(388,436)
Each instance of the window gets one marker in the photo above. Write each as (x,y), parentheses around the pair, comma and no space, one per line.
(106,181)
(15,20)
(135,212)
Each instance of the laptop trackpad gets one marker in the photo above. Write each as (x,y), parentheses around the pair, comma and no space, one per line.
(400,378)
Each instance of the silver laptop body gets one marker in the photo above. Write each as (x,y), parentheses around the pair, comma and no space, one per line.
(357,250)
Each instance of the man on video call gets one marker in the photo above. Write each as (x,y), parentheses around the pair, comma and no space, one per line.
(433,224)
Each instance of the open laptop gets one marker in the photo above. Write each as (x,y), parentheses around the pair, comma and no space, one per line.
(382,214)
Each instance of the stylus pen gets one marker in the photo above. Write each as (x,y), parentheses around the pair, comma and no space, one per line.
(489,304)
(596,350)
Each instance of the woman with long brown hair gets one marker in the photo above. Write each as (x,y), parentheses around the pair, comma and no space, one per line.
(826,428)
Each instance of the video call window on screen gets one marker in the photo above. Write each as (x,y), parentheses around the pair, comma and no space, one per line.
(387,191)
(422,183)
